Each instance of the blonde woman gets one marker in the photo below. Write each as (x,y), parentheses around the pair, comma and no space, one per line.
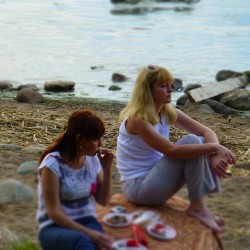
(152,168)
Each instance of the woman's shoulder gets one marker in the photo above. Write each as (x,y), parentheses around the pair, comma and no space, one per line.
(53,162)
(54,156)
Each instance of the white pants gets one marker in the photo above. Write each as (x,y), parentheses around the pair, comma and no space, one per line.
(168,176)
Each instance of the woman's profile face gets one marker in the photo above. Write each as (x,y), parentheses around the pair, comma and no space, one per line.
(162,93)
(90,146)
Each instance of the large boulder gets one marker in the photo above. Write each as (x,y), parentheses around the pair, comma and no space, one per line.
(200,108)
(59,86)
(5,85)
(178,85)
(29,167)
(191,86)
(226,74)
(219,107)
(28,95)
(117,77)
(13,191)
(29,86)
(181,101)
(238,99)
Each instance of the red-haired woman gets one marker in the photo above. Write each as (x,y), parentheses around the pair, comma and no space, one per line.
(74,172)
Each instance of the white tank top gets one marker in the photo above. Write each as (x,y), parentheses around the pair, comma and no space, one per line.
(135,158)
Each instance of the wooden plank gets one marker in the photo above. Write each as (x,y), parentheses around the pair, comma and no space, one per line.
(214,89)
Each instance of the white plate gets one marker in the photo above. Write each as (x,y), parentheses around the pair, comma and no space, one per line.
(146,217)
(110,216)
(118,209)
(169,232)
(122,245)
(135,214)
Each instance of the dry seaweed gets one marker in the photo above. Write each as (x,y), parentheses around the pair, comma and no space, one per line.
(26,125)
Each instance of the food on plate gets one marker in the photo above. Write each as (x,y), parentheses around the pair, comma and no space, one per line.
(132,243)
(117,219)
(127,244)
(159,229)
(135,214)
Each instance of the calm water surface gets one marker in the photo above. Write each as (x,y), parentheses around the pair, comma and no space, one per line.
(50,40)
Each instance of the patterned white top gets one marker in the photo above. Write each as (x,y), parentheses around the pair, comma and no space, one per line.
(77,187)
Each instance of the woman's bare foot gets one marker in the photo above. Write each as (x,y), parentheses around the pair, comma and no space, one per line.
(220,221)
(207,218)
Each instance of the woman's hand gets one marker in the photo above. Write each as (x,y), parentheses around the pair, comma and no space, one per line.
(225,154)
(219,166)
(221,160)
(106,157)
(102,240)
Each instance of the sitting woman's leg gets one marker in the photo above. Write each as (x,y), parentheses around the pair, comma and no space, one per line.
(168,176)
(163,181)
(54,237)
(201,180)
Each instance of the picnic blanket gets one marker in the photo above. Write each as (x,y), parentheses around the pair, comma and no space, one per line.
(191,234)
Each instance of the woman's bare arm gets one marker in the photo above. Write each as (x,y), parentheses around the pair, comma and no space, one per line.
(163,145)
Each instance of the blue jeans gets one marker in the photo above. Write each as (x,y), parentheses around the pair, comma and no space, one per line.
(54,237)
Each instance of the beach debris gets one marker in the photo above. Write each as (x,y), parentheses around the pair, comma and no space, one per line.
(214,89)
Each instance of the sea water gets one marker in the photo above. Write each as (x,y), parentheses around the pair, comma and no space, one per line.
(43,40)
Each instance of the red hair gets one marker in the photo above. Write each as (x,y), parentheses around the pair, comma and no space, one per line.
(84,122)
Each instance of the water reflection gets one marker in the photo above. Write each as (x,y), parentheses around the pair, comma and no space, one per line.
(138,1)
(138,10)
(138,7)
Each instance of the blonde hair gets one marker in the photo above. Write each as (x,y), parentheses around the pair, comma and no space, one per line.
(141,103)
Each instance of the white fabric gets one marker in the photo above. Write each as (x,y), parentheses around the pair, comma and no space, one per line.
(133,151)
(76,188)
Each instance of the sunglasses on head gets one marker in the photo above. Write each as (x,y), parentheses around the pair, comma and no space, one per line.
(152,67)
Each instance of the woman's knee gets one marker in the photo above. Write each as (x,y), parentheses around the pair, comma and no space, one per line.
(193,139)
(53,238)
(84,242)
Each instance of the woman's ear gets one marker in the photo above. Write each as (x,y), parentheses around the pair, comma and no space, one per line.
(79,138)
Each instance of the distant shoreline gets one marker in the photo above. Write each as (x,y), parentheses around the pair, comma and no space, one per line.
(63,97)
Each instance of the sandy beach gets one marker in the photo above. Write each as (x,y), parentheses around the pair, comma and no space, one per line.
(38,124)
